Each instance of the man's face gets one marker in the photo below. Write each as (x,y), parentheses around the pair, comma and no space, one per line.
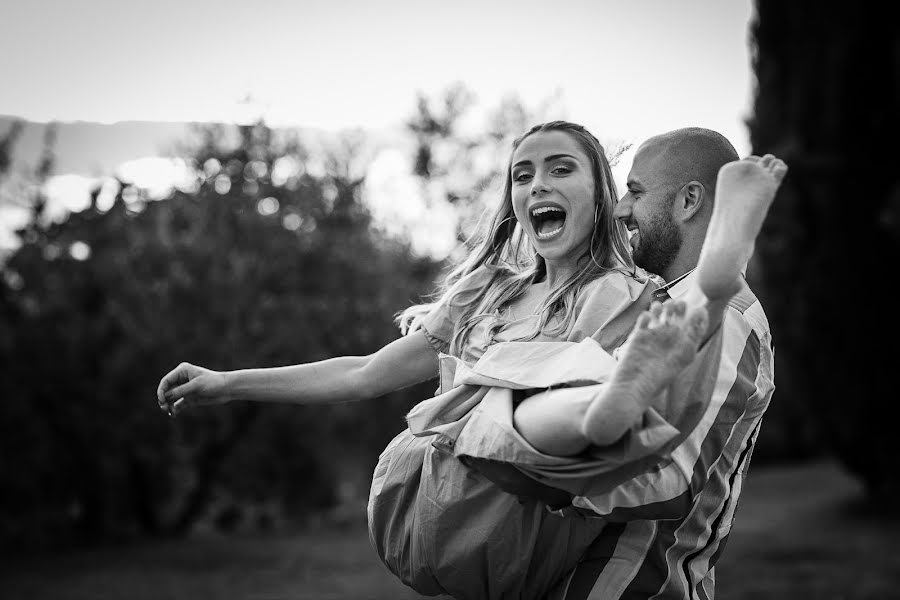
(646,210)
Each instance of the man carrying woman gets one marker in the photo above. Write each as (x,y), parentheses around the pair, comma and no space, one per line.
(552,278)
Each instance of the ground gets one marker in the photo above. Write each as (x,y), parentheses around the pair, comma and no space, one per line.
(798,534)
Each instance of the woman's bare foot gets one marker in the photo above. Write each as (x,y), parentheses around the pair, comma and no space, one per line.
(664,342)
(744,192)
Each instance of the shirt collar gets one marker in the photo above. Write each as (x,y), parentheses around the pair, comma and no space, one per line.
(680,285)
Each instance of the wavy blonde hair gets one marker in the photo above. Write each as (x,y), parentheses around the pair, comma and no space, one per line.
(500,242)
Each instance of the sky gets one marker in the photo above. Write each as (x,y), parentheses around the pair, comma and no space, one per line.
(626,70)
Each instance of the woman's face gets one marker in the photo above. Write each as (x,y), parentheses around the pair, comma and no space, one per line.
(553,195)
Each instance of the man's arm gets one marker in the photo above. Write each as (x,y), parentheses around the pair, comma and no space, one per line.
(669,526)
(744,383)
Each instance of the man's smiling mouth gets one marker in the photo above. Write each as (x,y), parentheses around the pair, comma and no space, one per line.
(633,232)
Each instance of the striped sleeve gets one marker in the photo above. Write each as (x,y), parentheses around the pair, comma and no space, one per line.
(691,501)
(668,492)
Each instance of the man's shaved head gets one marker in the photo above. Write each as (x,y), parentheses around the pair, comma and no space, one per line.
(689,154)
(671,189)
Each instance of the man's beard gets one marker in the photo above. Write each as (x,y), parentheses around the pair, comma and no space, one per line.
(658,245)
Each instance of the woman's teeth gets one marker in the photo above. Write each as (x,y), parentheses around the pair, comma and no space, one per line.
(548,234)
(548,221)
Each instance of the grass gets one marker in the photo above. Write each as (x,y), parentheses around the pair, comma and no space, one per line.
(322,565)
(796,536)
(802,532)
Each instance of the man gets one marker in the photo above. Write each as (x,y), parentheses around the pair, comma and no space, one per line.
(669,526)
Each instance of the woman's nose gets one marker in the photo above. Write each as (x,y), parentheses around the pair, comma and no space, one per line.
(538,186)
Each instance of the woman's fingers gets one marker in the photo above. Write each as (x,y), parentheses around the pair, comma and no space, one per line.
(184,390)
(165,384)
(161,395)
(172,386)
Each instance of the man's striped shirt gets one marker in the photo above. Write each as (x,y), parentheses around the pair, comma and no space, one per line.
(669,526)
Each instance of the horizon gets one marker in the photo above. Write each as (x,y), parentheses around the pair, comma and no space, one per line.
(624,72)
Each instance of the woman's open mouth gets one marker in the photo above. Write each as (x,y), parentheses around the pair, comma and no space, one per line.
(547,221)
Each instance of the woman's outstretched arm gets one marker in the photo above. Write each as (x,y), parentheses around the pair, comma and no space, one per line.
(403,362)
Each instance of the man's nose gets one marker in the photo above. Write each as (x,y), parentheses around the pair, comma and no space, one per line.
(622,210)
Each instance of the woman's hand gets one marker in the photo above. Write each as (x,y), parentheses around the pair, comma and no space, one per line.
(188,385)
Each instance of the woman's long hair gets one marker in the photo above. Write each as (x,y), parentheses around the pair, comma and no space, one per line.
(500,242)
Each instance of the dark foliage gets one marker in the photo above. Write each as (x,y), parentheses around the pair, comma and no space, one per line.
(238,271)
(827,101)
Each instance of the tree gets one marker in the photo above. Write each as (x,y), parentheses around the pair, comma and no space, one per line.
(466,169)
(7,143)
(259,263)
(827,101)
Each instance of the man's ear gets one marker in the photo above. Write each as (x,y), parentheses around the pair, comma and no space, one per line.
(689,200)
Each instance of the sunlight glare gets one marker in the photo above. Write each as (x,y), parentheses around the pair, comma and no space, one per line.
(267,206)
(284,169)
(80,250)
(292,221)
(223,184)
(107,196)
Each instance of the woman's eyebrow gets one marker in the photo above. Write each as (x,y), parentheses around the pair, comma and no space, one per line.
(547,159)
(553,157)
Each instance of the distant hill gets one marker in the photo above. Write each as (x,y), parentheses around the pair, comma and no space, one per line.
(94,149)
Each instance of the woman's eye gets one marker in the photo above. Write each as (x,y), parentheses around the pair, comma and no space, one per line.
(561,170)
(522,176)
